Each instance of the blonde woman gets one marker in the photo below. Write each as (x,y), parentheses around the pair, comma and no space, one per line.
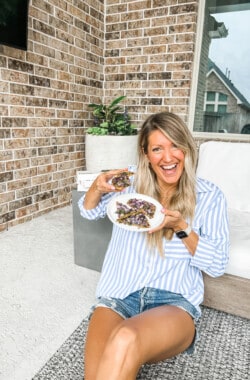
(151,286)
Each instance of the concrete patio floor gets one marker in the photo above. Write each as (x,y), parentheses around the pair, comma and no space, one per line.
(44,295)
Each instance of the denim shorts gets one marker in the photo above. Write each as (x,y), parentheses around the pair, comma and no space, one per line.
(146,299)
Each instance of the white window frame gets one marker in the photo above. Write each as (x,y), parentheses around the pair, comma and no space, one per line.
(194,84)
(216,102)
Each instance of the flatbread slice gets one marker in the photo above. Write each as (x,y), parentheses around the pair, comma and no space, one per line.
(122,180)
(139,204)
(137,219)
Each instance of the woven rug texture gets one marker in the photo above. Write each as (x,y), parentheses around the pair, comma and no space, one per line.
(222,353)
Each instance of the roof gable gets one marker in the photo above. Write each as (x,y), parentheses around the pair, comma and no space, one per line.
(213,68)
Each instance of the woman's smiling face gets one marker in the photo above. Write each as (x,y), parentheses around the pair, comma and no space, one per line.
(167,160)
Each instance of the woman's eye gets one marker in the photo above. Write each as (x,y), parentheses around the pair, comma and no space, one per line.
(156,149)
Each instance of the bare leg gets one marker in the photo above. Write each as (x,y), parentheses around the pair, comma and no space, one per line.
(154,335)
(102,323)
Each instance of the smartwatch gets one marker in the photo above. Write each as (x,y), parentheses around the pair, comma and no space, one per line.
(183,233)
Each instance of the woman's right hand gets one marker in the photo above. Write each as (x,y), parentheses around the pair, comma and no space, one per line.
(102,183)
(100,186)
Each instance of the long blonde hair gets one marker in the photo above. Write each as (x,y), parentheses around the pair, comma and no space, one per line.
(184,197)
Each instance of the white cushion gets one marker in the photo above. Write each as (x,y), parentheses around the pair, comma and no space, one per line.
(239,253)
(228,166)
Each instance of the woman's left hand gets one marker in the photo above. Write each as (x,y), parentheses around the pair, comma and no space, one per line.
(173,219)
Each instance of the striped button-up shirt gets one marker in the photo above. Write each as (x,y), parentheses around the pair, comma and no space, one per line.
(129,265)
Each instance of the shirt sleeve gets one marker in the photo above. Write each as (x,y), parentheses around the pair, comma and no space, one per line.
(96,213)
(212,252)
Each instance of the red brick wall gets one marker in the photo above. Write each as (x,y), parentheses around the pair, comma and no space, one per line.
(43,97)
(149,54)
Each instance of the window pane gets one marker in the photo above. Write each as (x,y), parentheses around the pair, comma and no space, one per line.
(222,109)
(224,78)
(210,108)
(210,95)
(222,97)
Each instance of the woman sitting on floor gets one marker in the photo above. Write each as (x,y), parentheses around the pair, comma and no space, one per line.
(151,283)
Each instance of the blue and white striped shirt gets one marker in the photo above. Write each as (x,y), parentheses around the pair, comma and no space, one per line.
(129,265)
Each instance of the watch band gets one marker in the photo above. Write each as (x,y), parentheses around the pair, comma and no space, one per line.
(183,233)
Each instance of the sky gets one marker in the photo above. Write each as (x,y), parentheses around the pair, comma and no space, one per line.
(233,52)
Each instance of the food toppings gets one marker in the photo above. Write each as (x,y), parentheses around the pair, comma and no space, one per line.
(135,213)
(138,219)
(122,210)
(121,180)
(139,204)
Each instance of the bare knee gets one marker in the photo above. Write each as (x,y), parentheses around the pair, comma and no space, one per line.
(120,359)
(123,344)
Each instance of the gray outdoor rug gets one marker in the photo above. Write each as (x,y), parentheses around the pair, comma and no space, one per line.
(222,354)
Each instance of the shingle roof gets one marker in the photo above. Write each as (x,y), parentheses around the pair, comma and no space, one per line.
(241,99)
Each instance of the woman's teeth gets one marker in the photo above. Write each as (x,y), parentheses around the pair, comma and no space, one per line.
(169,167)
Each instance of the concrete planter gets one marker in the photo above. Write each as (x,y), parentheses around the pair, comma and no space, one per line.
(110,152)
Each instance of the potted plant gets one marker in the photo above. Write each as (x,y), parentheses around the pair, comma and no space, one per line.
(112,140)
(111,119)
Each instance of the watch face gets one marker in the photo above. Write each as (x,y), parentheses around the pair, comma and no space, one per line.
(181,234)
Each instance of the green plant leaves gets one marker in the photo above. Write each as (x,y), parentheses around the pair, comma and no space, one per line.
(111,119)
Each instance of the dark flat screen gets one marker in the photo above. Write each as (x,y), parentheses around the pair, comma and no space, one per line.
(14,23)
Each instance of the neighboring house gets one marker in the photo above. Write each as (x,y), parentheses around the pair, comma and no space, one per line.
(225,108)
